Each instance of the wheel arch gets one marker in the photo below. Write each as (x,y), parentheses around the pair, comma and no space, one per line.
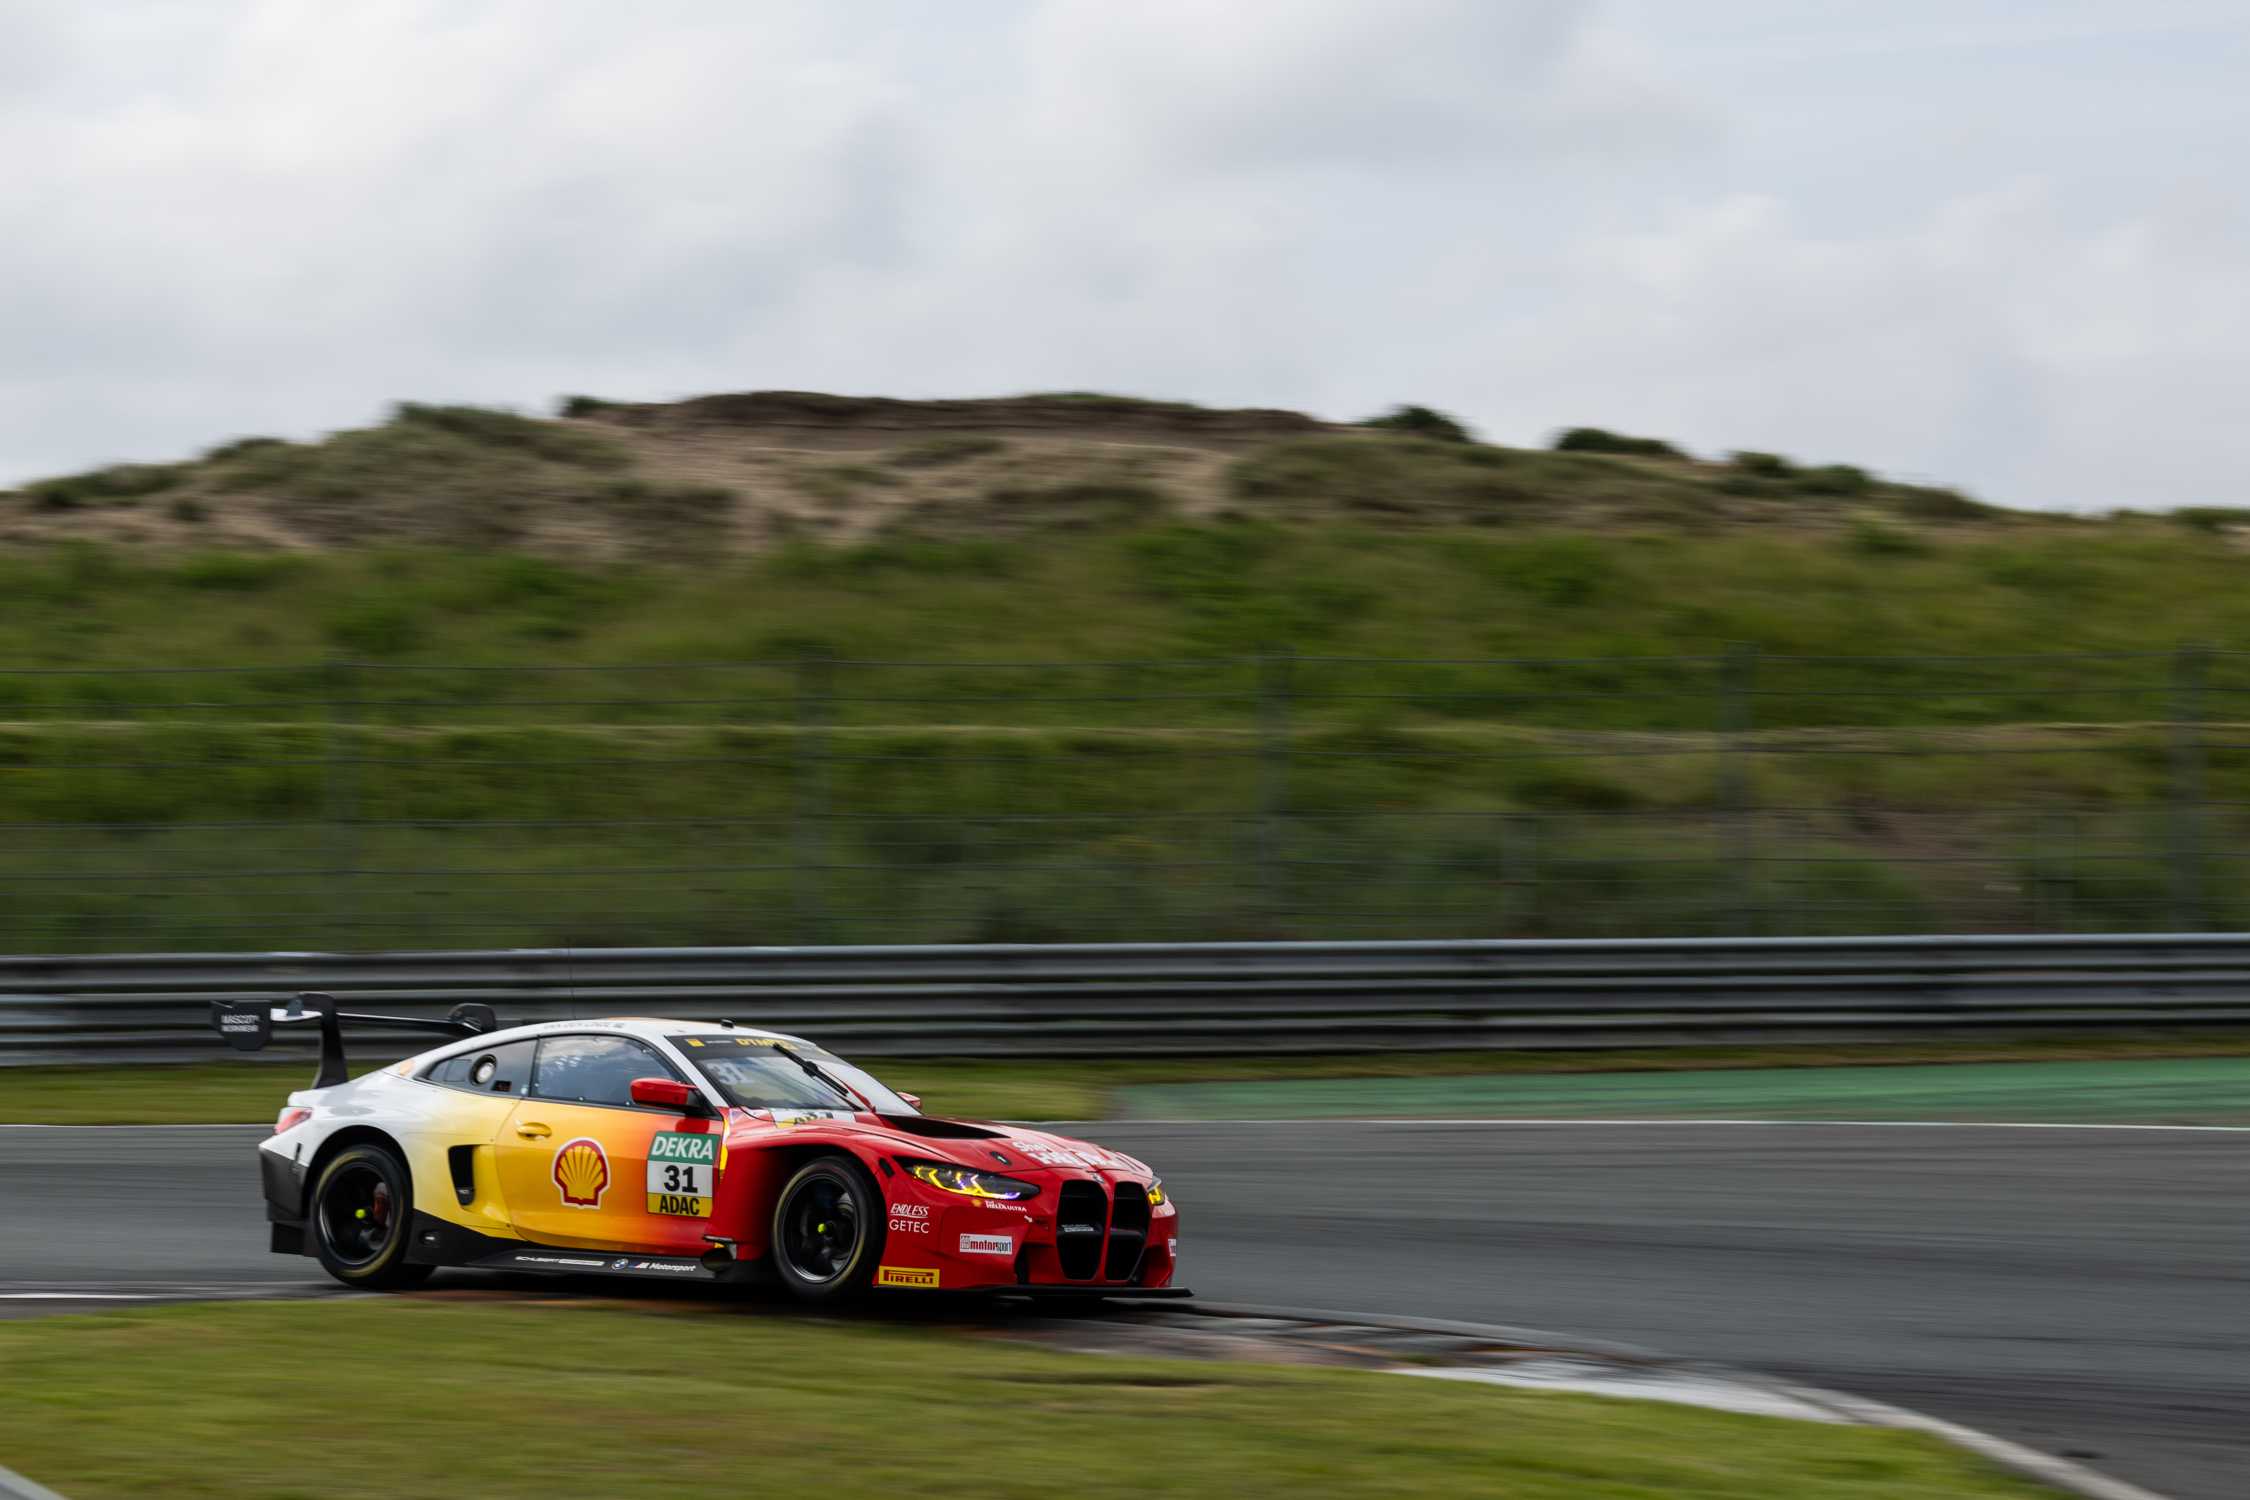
(341,1141)
(787,1162)
(787,1156)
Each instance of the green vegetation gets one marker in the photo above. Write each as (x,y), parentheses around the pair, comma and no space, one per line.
(120,484)
(429,1409)
(2194,1091)
(1342,683)
(837,483)
(1590,480)
(1403,480)
(1421,421)
(2213,519)
(1022,511)
(783,793)
(1601,440)
(1201,591)
(240,1092)
(946,448)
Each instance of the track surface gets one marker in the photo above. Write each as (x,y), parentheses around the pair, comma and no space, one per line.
(2082,1291)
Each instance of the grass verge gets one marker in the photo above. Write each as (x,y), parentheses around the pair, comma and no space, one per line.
(2149,1091)
(1065,1089)
(501,1401)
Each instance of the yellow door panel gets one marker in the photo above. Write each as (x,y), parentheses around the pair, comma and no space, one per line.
(600,1178)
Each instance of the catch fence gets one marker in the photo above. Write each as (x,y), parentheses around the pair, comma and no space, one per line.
(363,806)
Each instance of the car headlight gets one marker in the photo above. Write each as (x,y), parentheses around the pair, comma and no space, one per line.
(1155,1191)
(970,1183)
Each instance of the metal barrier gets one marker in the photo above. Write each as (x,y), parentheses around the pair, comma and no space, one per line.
(1149,999)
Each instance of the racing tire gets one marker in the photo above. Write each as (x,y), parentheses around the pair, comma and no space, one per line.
(361,1207)
(828,1230)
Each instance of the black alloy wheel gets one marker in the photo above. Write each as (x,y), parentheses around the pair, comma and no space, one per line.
(361,1207)
(827,1229)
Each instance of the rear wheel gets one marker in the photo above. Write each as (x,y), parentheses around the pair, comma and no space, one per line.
(827,1229)
(361,1207)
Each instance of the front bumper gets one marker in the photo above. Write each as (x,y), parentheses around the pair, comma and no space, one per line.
(1086,1234)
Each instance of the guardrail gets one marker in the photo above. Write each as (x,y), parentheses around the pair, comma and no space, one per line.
(1118,999)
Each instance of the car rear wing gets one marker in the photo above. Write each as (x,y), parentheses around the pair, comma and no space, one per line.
(249,1027)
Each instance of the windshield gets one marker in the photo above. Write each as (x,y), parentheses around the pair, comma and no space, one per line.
(750,1072)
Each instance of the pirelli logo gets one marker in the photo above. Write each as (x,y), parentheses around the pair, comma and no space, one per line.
(905,1276)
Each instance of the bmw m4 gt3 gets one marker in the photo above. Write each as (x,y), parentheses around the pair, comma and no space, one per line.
(683,1151)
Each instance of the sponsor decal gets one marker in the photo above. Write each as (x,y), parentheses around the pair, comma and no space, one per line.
(905,1276)
(1172,1248)
(999,1207)
(581,1172)
(621,1263)
(574,1262)
(682,1173)
(1078,1229)
(911,1210)
(787,1117)
(910,1218)
(987,1244)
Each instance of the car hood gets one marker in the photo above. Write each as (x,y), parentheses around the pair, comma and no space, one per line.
(986,1145)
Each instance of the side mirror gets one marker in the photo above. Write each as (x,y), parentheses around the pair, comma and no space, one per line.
(669,1093)
(913,1100)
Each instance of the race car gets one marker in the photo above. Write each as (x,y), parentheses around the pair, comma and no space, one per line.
(683,1151)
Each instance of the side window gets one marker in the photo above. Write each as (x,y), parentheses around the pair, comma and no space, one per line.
(504,1069)
(595,1069)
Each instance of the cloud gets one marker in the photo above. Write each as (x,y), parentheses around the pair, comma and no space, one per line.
(263,217)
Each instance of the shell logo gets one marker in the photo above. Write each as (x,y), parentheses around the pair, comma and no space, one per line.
(582,1172)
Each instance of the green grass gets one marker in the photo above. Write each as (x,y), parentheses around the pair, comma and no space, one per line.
(1432,480)
(1567,782)
(2185,1091)
(1080,1089)
(1364,591)
(428,1398)
(164,826)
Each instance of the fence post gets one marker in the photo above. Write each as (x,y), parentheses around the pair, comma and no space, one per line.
(1738,678)
(1519,872)
(338,797)
(808,825)
(1274,686)
(2189,667)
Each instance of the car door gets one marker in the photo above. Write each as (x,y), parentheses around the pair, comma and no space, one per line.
(461,1131)
(583,1166)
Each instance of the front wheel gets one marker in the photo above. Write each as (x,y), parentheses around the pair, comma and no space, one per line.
(827,1229)
(361,1207)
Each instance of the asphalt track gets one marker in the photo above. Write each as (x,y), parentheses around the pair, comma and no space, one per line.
(2080,1290)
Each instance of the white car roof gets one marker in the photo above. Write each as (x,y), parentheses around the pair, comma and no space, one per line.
(648,1028)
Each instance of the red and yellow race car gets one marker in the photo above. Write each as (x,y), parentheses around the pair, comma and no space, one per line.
(682,1150)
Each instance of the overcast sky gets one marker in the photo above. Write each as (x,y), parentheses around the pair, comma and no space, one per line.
(1998,242)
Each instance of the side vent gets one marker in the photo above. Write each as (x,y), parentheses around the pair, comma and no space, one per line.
(462,1160)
